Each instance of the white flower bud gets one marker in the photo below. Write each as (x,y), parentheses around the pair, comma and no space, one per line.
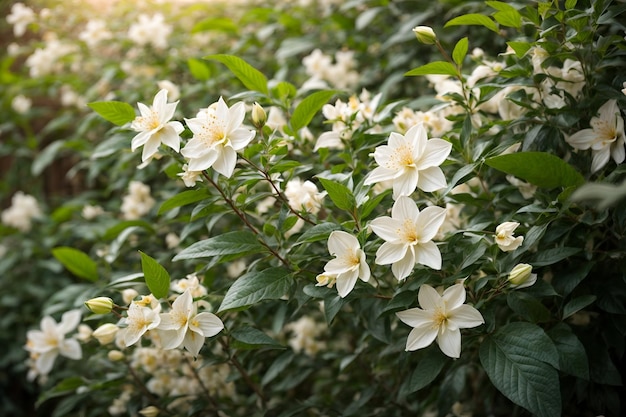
(105,333)
(99,305)
(425,34)
(115,355)
(521,276)
(259,117)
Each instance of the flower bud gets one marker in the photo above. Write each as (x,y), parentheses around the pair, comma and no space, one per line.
(425,34)
(115,355)
(150,411)
(521,276)
(99,305)
(259,117)
(105,333)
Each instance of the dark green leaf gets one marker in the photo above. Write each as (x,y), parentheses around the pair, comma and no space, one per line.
(572,354)
(577,304)
(255,286)
(552,256)
(436,67)
(304,112)
(539,168)
(77,262)
(157,278)
(473,19)
(339,194)
(115,112)
(45,157)
(251,78)
(565,282)
(183,199)
(520,48)
(529,307)
(277,367)
(517,359)
(317,233)
(232,243)
(426,371)
(251,338)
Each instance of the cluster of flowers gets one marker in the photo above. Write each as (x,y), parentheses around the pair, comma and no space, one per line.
(323,72)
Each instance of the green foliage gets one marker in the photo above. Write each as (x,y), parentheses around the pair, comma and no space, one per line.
(116,112)
(157,278)
(77,262)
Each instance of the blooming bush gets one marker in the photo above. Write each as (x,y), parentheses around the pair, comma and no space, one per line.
(320,225)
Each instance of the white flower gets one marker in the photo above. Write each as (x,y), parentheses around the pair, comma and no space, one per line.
(150,30)
(189,283)
(137,202)
(21,104)
(155,127)
(49,342)
(20,17)
(140,318)
(95,32)
(182,326)
(23,209)
(505,239)
(303,196)
(425,34)
(605,138)
(218,135)
(190,177)
(172,89)
(408,234)
(349,263)
(411,161)
(441,317)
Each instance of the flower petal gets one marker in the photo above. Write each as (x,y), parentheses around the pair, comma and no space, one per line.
(403,267)
(340,242)
(386,228)
(208,323)
(226,161)
(600,158)
(430,221)
(193,342)
(582,139)
(406,183)
(70,348)
(389,253)
(380,174)
(449,342)
(420,337)
(345,282)
(437,150)
(405,208)
(428,297)
(416,317)
(428,254)
(454,296)
(465,317)
(431,179)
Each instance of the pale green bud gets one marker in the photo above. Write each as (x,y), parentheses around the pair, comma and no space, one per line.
(259,117)
(105,333)
(99,305)
(150,411)
(425,34)
(115,355)
(521,276)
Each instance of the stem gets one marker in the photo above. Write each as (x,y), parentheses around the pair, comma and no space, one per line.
(246,377)
(202,385)
(277,191)
(243,218)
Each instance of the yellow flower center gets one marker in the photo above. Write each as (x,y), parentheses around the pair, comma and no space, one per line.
(149,122)
(213,132)
(607,132)
(403,158)
(439,318)
(409,233)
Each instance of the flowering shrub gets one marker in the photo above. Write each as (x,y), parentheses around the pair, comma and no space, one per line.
(322,241)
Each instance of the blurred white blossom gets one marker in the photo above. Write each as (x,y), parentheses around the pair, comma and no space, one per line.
(24,208)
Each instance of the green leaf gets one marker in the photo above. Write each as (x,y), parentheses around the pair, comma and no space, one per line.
(304,112)
(251,338)
(577,304)
(565,282)
(539,168)
(157,278)
(255,286)
(460,50)
(199,70)
(527,306)
(77,262)
(45,157)
(520,48)
(251,78)
(436,67)
(114,231)
(232,243)
(341,195)
(572,354)
(517,359)
(183,199)
(473,19)
(427,369)
(317,233)
(221,24)
(116,112)
(552,256)
(509,18)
